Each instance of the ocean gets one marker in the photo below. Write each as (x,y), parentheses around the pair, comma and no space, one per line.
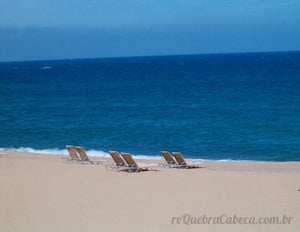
(212,107)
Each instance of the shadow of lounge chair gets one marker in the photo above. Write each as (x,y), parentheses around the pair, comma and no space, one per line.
(84,157)
(186,164)
(137,167)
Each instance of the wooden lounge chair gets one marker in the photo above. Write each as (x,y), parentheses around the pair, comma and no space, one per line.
(185,164)
(137,167)
(84,157)
(73,156)
(119,162)
(171,163)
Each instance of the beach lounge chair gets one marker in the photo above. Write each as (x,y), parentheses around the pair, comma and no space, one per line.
(84,157)
(119,162)
(171,163)
(73,156)
(186,164)
(137,167)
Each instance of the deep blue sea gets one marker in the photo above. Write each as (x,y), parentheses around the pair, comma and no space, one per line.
(215,107)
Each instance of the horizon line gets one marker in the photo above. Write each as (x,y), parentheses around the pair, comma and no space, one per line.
(146,56)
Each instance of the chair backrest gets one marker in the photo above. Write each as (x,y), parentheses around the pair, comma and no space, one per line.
(82,153)
(117,158)
(72,152)
(129,160)
(168,157)
(179,158)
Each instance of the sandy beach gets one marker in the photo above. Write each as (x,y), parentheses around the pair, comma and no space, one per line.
(44,193)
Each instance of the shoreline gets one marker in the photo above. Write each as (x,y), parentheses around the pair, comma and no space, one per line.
(44,193)
(104,154)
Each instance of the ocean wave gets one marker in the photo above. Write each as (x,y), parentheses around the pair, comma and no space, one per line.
(56,151)
(99,153)
(53,151)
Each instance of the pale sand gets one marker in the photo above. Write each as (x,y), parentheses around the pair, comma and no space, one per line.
(43,193)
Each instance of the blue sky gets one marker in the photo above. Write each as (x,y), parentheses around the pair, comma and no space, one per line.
(58,29)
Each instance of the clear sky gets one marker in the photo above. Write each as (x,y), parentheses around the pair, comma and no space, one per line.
(58,29)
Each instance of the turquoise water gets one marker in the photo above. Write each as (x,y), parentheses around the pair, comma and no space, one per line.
(217,107)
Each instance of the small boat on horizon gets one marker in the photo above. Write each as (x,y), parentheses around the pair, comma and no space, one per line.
(46,67)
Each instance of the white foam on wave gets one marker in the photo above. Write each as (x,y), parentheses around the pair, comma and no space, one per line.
(147,157)
(98,153)
(56,151)
(53,151)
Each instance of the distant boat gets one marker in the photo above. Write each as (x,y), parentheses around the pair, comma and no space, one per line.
(46,67)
